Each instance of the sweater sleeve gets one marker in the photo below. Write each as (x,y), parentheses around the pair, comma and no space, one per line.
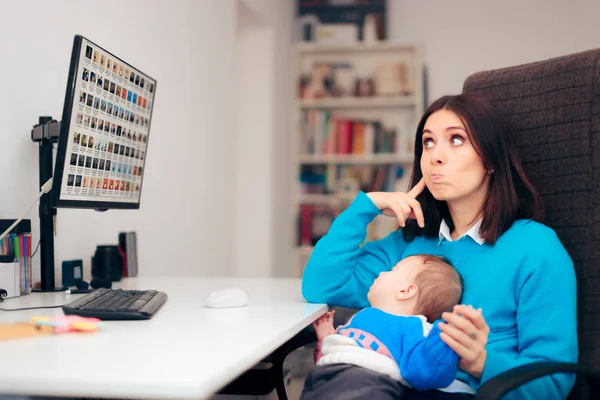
(546,324)
(427,362)
(340,270)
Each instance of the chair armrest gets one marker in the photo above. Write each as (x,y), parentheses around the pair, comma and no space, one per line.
(515,377)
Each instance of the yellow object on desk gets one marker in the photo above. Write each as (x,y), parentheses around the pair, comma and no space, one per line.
(49,325)
(23,330)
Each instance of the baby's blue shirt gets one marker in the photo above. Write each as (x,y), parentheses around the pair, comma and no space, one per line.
(425,361)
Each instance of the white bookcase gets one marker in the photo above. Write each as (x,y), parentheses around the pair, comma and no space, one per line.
(342,137)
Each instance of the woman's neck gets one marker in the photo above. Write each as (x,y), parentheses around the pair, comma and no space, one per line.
(465,211)
(464,216)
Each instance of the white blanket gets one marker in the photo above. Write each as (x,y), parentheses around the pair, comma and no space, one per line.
(338,349)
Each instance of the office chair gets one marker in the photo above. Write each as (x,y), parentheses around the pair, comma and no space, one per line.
(554,108)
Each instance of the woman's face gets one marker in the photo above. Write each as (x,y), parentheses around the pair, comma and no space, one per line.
(452,170)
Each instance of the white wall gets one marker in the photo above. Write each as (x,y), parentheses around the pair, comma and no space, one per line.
(283,94)
(465,36)
(263,229)
(185,224)
(254,78)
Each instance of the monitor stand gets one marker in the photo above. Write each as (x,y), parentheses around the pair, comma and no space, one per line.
(46,133)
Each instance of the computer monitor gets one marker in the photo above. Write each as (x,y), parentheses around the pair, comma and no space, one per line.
(104,132)
(102,142)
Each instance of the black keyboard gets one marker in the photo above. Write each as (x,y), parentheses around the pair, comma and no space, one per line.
(117,304)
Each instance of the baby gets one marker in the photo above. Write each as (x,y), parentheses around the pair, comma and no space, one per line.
(398,334)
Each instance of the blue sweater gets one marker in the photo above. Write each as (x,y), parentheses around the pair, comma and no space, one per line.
(425,362)
(524,283)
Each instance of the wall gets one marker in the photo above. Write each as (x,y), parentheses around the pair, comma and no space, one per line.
(263,234)
(466,36)
(283,95)
(254,72)
(185,223)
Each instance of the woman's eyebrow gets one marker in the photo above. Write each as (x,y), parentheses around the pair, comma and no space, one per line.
(450,128)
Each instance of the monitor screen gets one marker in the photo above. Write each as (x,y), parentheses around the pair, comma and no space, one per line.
(104,131)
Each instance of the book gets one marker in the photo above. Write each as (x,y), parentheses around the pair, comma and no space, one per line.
(128,244)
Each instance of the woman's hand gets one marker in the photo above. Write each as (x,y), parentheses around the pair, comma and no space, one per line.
(466,332)
(400,205)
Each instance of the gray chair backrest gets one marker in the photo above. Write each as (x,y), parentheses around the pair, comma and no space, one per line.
(554,108)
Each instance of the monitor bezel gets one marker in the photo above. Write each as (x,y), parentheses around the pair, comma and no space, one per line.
(64,136)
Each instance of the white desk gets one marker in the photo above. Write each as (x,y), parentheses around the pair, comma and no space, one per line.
(185,351)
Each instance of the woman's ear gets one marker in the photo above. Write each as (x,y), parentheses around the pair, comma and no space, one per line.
(407,292)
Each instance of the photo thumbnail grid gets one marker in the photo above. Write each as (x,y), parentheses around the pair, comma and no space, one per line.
(109,137)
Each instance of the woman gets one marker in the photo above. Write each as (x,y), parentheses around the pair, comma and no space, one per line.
(471,202)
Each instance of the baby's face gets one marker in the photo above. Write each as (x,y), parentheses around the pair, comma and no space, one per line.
(388,283)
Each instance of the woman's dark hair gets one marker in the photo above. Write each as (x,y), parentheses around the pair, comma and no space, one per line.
(511,195)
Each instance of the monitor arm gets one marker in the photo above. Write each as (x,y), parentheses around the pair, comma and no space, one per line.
(47,129)
(46,133)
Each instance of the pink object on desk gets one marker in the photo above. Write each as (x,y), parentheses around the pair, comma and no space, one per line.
(69,323)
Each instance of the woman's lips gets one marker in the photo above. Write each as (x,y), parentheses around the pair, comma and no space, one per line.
(436,177)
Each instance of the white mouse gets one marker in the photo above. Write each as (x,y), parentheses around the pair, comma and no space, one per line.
(226,298)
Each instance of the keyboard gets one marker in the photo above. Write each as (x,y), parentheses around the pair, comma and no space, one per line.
(117,304)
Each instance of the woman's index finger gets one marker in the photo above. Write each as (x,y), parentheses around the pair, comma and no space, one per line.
(417,189)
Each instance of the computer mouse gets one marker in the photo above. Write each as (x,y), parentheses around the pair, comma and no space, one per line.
(226,298)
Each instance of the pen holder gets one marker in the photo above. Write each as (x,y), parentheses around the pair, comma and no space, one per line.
(16,246)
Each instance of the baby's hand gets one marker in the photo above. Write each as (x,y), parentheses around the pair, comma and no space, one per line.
(324,325)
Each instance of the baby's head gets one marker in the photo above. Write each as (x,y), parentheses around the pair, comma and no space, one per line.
(418,285)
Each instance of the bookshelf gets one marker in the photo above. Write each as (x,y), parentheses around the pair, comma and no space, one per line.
(356,108)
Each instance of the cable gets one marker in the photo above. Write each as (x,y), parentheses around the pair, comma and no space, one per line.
(36,248)
(3,294)
(19,220)
(28,308)
(46,187)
